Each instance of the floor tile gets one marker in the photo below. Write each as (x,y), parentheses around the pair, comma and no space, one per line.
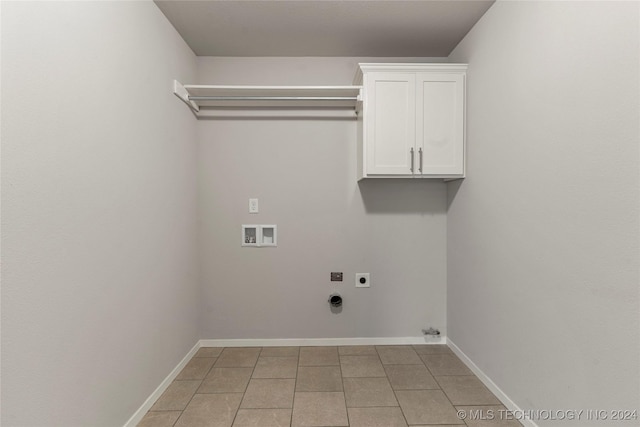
(488,416)
(238,357)
(196,369)
(319,378)
(376,417)
(398,355)
(176,396)
(410,377)
(269,393)
(368,392)
(319,409)
(276,367)
(263,418)
(361,366)
(380,385)
(209,352)
(466,390)
(427,407)
(394,347)
(226,380)
(432,349)
(159,419)
(280,351)
(210,410)
(445,364)
(319,356)
(357,350)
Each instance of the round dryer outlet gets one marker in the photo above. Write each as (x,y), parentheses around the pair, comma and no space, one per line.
(363,280)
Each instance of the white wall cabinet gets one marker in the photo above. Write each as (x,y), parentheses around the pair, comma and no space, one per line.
(411,121)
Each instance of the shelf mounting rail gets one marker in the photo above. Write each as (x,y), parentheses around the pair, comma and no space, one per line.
(225,101)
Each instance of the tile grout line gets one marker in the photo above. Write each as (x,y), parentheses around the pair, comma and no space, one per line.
(389,381)
(196,392)
(192,396)
(205,375)
(394,392)
(295,386)
(247,387)
(344,392)
(443,392)
(399,406)
(435,377)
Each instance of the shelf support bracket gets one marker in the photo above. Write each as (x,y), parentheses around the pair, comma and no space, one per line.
(181,92)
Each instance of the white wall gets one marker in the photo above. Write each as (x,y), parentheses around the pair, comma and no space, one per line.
(99,274)
(543,235)
(304,173)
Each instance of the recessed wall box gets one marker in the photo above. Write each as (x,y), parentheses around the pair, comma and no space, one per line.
(259,235)
(250,235)
(269,235)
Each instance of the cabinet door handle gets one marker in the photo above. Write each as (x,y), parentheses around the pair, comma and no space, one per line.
(411,166)
(420,164)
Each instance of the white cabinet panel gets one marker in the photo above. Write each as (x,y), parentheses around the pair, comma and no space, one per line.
(390,101)
(440,132)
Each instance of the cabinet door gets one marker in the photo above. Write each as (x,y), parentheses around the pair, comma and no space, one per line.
(440,123)
(390,123)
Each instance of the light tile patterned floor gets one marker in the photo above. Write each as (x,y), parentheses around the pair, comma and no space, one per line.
(358,386)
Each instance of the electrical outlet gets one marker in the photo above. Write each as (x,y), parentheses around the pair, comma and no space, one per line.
(363,280)
(253,205)
(336,277)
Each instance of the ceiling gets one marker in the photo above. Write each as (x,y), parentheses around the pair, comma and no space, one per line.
(418,28)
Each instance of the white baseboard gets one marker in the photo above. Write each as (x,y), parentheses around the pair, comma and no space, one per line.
(286,342)
(507,402)
(140,413)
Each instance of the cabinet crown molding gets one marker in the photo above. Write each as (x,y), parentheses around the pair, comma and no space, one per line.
(406,67)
